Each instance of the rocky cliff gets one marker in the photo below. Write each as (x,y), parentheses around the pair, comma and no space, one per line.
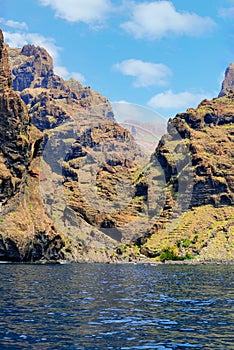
(14,123)
(90,177)
(228,83)
(76,186)
(205,229)
(50,100)
(26,232)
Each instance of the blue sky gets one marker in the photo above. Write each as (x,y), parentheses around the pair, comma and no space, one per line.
(165,55)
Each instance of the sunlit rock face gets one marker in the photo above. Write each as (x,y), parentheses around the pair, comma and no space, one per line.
(228,83)
(26,232)
(77,185)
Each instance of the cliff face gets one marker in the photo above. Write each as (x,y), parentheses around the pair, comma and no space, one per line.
(228,83)
(80,186)
(50,100)
(210,132)
(26,232)
(206,228)
(88,162)
(14,132)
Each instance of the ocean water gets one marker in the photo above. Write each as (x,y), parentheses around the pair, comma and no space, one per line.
(102,306)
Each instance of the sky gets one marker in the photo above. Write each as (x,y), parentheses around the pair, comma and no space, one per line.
(164,55)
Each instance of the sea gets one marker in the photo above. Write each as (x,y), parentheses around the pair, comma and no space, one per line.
(116,306)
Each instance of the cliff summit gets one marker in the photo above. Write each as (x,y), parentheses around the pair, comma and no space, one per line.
(228,83)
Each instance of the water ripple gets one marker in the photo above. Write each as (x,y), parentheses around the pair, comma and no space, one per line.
(98,306)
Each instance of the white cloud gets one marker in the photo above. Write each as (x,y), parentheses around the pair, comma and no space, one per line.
(145,73)
(87,11)
(169,99)
(63,72)
(157,19)
(13,24)
(227,12)
(78,76)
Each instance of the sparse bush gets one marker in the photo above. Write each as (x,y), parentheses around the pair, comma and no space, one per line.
(168,253)
(186,243)
(188,256)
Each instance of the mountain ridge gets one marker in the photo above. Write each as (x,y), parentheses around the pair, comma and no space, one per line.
(67,208)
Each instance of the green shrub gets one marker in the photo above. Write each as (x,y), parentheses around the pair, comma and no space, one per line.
(186,243)
(168,253)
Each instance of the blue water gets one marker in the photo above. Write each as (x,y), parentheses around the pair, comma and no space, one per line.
(101,306)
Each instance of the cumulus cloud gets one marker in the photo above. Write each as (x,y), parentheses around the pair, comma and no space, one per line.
(145,73)
(63,72)
(170,100)
(13,24)
(157,19)
(87,11)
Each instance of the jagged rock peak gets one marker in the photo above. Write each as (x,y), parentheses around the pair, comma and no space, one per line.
(50,99)
(228,83)
(33,68)
(5,76)
(32,50)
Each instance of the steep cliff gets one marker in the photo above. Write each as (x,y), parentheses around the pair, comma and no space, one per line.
(206,228)
(26,232)
(50,100)
(228,83)
(90,175)
(85,191)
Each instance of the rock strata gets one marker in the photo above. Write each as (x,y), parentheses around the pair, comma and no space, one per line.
(81,139)
(26,232)
(205,228)
(74,184)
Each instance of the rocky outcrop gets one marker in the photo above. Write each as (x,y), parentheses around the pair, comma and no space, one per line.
(15,148)
(88,160)
(228,83)
(205,226)
(33,68)
(51,101)
(5,76)
(210,132)
(26,232)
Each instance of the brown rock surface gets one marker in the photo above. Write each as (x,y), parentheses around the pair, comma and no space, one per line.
(228,83)
(51,101)
(96,184)
(206,227)
(79,128)
(15,148)
(26,232)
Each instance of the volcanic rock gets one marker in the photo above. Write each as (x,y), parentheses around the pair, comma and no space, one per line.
(228,83)
(26,232)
